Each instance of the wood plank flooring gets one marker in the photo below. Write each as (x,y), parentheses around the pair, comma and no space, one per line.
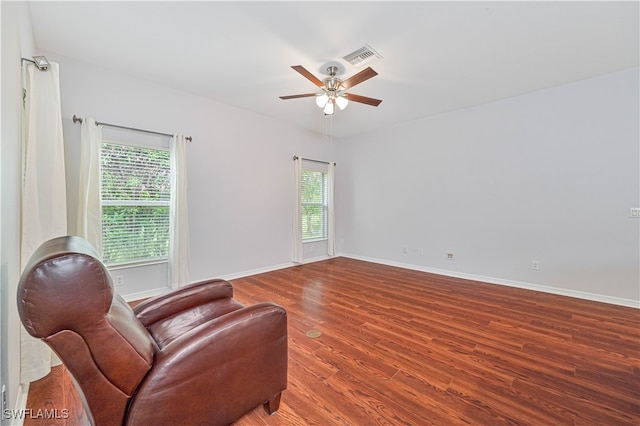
(53,401)
(400,347)
(409,348)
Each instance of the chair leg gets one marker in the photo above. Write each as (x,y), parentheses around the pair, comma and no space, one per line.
(272,405)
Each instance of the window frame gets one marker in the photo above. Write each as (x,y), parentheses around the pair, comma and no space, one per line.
(324,205)
(127,203)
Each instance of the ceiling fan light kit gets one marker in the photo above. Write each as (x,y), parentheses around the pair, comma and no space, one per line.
(329,108)
(342,102)
(321,100)
(333,89)
(332,95)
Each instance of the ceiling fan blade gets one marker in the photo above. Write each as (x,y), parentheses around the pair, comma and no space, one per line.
(312,78)
(363,99)
(363,75)
(304,95)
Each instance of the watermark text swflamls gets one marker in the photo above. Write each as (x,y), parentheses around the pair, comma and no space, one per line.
(29,413)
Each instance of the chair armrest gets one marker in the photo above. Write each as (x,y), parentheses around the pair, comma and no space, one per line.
(184,298)
(218,371)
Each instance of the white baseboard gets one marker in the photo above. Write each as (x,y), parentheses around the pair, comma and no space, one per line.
(490,280)
(157,291)
(510,283)
(17,417)
(145,294)
(257,271)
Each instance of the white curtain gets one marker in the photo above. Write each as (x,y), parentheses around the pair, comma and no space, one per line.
(44,198)
(296,251)
(89,222)
(179,223)
(331,219)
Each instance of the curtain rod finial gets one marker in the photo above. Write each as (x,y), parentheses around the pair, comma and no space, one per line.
(76,119)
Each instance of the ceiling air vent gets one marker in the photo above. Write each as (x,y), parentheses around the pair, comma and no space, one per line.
(362,56)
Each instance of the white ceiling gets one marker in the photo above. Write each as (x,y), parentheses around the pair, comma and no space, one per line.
(437,56)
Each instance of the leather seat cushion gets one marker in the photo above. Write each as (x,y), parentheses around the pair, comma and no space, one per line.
(167,330)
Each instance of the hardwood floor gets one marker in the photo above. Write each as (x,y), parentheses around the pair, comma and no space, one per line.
(405,347)
(401,347)
(53,401)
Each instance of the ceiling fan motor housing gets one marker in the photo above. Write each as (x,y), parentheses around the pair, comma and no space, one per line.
(332,83)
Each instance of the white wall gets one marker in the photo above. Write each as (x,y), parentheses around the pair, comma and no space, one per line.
(240,168)
(17,42)
(547,176)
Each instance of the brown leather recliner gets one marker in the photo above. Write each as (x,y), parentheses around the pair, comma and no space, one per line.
(192,356)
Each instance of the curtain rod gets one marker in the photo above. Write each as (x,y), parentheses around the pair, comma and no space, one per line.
(40,67)
(78,119)
(295,157)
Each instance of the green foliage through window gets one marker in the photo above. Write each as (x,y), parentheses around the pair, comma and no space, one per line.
(135,187)
(314,204)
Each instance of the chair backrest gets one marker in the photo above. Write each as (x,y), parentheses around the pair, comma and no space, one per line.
(66,298)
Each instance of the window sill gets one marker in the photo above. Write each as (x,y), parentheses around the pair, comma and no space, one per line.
(314,240)
(127,265)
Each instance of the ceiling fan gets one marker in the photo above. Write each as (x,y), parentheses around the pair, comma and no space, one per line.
(333,89)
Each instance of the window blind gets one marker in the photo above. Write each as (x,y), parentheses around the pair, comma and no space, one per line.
(314,204)
(135,200)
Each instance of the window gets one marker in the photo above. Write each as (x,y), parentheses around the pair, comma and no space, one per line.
(135,200)
(314,205)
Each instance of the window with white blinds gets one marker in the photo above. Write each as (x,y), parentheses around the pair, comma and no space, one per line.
(135,199)
(314,205)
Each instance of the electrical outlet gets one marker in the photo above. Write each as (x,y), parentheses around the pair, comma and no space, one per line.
(634,212)
(119,280)
(535,265)
(450,255)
